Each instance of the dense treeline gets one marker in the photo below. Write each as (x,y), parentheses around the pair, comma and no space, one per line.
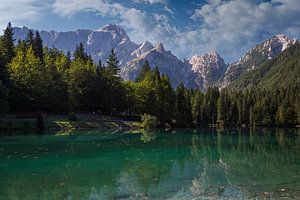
(282,71)
(34,78)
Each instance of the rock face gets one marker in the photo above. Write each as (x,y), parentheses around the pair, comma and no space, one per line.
(178,71)
(97,43)
(200,71)
(267,50)
(209,68)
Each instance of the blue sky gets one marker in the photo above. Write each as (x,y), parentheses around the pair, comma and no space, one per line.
(230,27)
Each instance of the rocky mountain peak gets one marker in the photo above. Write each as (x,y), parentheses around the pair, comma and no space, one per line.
(210,67)
(143,48)
(115,30)
(206,61)
(264,51)
(112,28)
(160,48)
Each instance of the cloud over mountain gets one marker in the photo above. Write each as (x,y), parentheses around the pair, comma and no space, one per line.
(229,27)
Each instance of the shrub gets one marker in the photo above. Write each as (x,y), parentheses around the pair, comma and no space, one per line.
(73,117)
(149,121)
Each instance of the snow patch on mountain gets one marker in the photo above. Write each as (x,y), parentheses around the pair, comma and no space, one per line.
(267,50)
(201,71)
(177,70)
(209,67)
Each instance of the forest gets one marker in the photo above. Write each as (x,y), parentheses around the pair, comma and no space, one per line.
(39,79)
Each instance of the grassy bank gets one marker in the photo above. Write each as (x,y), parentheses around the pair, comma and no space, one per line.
(66,124)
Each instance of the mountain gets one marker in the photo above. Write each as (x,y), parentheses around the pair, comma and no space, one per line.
(201,71)
(178,71)
(267,50)
(281,72)
(97,43)
(209,68)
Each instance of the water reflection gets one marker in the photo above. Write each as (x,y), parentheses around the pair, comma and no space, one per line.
(147,135)
(181,164)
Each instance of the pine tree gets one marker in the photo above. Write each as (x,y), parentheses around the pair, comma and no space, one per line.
(114,81)
(222,109)
(79,52)
(37,45)
(183,112)
(68,56)
(7,52)
(29,39)
(112,65)
(197,108)
(145,70)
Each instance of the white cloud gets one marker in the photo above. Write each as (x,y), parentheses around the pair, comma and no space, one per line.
(232,27)
(229,27)
(151,1)
(169,10)
(17,11)
(140,25)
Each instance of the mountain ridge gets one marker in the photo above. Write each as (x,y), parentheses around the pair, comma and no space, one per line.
(200,71)
(262,52)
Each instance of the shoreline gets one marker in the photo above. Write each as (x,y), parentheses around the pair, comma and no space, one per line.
(105,123)
(67,125)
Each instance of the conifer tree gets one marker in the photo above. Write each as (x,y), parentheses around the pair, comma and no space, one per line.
(79,52)
(29,39)
(7,52)
(37,45)
(182,107)
(145,69)
(114,81)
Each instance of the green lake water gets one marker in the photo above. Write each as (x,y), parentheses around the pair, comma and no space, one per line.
(180,164)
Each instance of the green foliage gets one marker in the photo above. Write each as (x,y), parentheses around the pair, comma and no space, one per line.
(144,71)
(28,79)
(37,46)
(183,107)
(7,52)
(280,72)
(114,87)
(149,121)
(29,38)
(79,53)
(46,80)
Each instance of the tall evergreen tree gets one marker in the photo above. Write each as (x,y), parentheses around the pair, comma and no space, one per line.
(29,38)
(145,69)
(79,52)
(114,81)
(112,65)
(37,45)
(7,52)
(183,114)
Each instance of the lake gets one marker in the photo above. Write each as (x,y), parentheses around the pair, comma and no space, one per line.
(177,164)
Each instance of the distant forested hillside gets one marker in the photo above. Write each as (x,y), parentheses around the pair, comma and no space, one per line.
(281,72)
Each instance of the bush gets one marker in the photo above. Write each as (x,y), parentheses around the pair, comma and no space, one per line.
(72,117)
(149,121)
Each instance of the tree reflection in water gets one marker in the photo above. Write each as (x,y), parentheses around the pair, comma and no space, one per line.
(182,164)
